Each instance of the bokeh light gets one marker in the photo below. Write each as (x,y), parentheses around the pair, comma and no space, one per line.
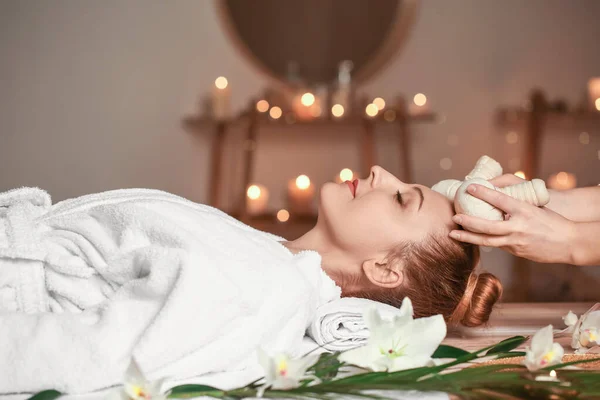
(221,82)
(371,110)
(275,112)
(346,174)
(379,102)
(262,106)
(283,215)
(420,99)
(337,110)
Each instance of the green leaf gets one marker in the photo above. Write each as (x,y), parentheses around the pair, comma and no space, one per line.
(46,395)
(327,366)
(556,366)
(444,351)
(507,345)
(186,391)
(510,354)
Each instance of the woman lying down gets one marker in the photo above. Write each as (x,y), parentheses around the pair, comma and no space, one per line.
(88,283)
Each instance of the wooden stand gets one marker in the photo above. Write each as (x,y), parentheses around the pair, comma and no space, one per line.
(535,119)
(254,120)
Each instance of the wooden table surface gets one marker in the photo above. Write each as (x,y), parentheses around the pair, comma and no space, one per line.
(511,319)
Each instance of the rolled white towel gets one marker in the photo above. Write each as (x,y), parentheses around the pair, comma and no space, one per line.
(339,325)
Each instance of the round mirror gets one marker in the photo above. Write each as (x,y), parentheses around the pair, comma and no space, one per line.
(310,41)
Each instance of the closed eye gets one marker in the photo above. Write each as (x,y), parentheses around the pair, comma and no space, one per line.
(399,197)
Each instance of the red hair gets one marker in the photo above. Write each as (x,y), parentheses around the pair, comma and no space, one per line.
(439,279)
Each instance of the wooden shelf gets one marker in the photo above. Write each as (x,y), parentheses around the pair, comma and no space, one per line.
(195,123)
(515,116)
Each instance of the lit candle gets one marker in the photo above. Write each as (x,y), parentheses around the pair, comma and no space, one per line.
(220,99)
(419,105)
(594,91)
(303,105)
(562,181)
(300,195)
(257,198)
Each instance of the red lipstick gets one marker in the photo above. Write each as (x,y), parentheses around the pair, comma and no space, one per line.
(352,187)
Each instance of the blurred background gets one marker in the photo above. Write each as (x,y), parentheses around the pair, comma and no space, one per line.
(251,106)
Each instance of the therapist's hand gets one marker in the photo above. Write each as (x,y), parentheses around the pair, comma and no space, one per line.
(538,234)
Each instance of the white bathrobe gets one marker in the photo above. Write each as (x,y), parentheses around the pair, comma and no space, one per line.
(89,282)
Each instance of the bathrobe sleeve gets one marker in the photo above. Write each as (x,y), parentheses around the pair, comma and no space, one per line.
(76,353)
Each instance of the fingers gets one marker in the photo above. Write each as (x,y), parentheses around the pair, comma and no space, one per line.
(480,225)
(497,199)
(506,180)
(478,238)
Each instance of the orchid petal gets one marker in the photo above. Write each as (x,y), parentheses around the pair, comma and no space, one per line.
(592,320)
(372,319)
(542,340)
(425,335)
(570,319)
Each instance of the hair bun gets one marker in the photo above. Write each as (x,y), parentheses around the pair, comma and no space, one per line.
(482,292)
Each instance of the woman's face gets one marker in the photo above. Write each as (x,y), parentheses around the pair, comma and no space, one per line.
(381,213)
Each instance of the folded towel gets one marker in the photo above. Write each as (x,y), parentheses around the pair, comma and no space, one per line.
(339,325)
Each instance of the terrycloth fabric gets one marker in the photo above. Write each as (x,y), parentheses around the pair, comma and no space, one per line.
(184,288)
(339,324)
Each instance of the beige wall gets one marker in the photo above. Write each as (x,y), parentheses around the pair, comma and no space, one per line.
(92,92)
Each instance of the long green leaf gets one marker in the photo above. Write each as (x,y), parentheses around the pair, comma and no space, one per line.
(507,345)
(46,395)
(186,391)
(562,365)
(444,351)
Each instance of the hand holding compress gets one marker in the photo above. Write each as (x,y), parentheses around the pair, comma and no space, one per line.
(538,234)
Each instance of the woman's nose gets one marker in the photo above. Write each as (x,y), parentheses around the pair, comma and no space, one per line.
(380,176)
(377,175)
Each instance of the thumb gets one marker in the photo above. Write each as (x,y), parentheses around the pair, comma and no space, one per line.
(506,180)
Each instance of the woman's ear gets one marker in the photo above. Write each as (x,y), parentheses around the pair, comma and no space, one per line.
(383,274)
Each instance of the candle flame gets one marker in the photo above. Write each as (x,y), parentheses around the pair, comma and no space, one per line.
(307,99)
(253,192)
(302,182)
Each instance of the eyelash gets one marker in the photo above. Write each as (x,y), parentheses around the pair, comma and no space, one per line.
(399,197)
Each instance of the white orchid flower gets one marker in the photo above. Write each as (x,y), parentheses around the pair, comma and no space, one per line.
(282,372)
(401,343)
(137,387)
(543,351)
(586,333)
(570,320)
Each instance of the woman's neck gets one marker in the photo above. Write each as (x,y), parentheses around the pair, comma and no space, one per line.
(338,264)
